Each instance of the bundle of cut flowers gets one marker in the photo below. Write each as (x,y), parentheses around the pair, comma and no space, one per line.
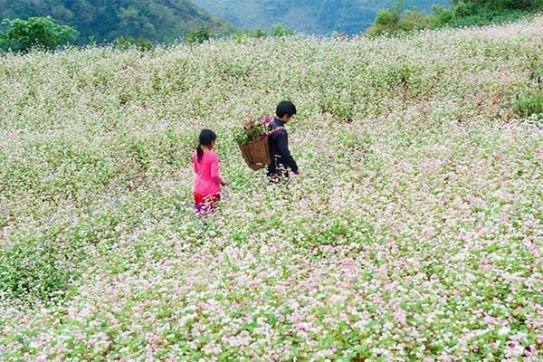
(253,130)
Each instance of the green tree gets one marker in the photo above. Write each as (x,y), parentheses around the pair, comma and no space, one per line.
(102,21)
(37,32)
(386,22)
(200,35)
(413,20)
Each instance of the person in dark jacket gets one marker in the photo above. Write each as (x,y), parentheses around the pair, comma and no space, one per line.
(281,158)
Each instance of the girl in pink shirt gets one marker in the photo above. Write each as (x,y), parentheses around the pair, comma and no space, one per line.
(207,186)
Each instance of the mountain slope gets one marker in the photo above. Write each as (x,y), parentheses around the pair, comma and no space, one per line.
(308,16)
(104,20)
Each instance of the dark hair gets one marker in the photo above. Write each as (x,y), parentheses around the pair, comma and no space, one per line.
(285,108)
(207,137)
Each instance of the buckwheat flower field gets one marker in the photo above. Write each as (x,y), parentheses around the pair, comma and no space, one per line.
(414,233)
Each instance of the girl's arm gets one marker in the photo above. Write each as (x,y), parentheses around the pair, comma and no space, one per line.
(215,172)
(194,163)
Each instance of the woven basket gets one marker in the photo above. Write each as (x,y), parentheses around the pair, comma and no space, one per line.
(256,154)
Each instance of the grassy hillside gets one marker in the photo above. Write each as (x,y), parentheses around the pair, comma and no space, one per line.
(158,20)
(463,13)
(414,233)
(321,17)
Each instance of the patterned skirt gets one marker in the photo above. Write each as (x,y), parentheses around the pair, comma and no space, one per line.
(206,203)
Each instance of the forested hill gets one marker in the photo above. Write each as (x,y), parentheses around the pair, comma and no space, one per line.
(105,20)
(308,16)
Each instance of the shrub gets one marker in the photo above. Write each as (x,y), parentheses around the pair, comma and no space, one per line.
(41,32)
(280,31)
(413,20)
(240,36)
(386,22)
(257,33)
(198,36)
(125,43)
(440,15)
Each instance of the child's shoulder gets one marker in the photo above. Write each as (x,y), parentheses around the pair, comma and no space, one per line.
(211,154)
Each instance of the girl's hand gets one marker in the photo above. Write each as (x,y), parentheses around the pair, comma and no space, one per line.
(226,183)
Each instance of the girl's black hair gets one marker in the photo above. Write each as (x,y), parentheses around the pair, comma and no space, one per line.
(207,137)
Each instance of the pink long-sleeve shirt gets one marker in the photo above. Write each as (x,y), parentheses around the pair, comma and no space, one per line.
(208,179)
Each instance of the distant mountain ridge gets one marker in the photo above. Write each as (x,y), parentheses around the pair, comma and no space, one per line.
(105,20)
(307,16)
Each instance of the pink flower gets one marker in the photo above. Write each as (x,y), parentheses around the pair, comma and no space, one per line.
(531,351)
(266,120)
(429,232)
(446,358)
(346,263)
(490,320)
(400,316)
(295,317)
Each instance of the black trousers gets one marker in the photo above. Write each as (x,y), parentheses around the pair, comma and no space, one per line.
(280,171)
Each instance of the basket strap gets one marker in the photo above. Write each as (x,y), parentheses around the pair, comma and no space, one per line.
(276,130)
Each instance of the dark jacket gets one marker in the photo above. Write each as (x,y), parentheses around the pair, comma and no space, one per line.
(279,151)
